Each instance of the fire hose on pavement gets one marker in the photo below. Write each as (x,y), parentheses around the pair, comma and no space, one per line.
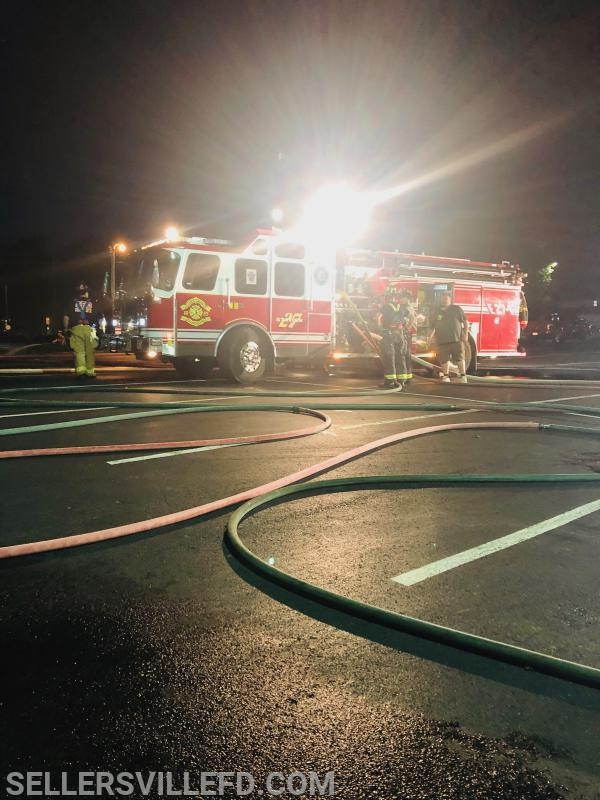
(294,485)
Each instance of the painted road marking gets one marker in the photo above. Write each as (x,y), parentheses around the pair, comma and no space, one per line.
(323,386)
(214,399)
(495,402)
(570,364)
(170,453)
(66,370)
(486,549)
(127,385)
(65,411)
(560,399)
(406,419)
(462,399)
(80,423)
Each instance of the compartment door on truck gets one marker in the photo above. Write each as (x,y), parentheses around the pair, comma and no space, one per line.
(246,292)
(321,277)
(289,299)
(500,320)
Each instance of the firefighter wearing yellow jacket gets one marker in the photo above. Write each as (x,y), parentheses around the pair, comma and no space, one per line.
(83,341)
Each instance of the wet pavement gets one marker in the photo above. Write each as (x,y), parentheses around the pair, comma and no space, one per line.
(161,652)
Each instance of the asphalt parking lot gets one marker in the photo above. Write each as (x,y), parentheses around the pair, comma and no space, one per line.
(161,651)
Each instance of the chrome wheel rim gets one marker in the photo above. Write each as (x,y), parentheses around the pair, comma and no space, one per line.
(250,357)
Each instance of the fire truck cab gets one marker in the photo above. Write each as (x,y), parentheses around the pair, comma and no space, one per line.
(209,302)
(205,302)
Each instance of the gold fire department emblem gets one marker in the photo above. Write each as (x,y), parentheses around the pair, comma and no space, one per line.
(196,312)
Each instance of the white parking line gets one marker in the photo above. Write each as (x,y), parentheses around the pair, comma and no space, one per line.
(405,419)
(170,453)
(62,411)
(447,397)
(560,399)
(324,386)
(495,402)
(80,423)
(474,553)
(213,399)
(30,371)
(63,370)
(570,364)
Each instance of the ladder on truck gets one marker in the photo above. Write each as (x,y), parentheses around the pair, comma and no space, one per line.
(422,266)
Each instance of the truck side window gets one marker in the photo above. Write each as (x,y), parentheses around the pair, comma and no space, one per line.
(289,279)
(260,247)
(201,272)
(289,250)
(160,267)
(250,276)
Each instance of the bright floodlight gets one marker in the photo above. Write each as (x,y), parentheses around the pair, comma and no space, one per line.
(120,247)
(277,215)
(171,233)
(336,215)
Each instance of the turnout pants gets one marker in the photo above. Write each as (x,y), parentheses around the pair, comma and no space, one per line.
(395,356)
(84,357)
(407,358)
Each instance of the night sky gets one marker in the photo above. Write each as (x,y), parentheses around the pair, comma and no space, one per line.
(120,117)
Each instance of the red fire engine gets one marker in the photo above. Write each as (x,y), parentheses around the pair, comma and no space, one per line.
(243,308)
(490,294)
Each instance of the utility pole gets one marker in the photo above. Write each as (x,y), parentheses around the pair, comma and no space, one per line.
(116,247)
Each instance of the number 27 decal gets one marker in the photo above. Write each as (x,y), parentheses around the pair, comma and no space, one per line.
(290,320)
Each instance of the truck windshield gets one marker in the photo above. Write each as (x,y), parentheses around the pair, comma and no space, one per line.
(155,269)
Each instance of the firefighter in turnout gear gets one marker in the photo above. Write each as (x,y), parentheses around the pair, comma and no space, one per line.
(393,342)
(83,342)
(409,323)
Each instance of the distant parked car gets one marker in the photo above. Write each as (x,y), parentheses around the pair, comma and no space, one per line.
(581,328)
(557,328)
(116,342)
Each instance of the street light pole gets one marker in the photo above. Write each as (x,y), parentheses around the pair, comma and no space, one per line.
(113,265)
(116,247)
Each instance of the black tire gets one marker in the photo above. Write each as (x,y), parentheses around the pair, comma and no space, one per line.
(193,368)
(244,355)
(471,356)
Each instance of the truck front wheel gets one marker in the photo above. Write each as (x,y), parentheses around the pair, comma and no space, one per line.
(244,355)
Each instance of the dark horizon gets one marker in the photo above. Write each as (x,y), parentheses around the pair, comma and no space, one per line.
(123,118)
